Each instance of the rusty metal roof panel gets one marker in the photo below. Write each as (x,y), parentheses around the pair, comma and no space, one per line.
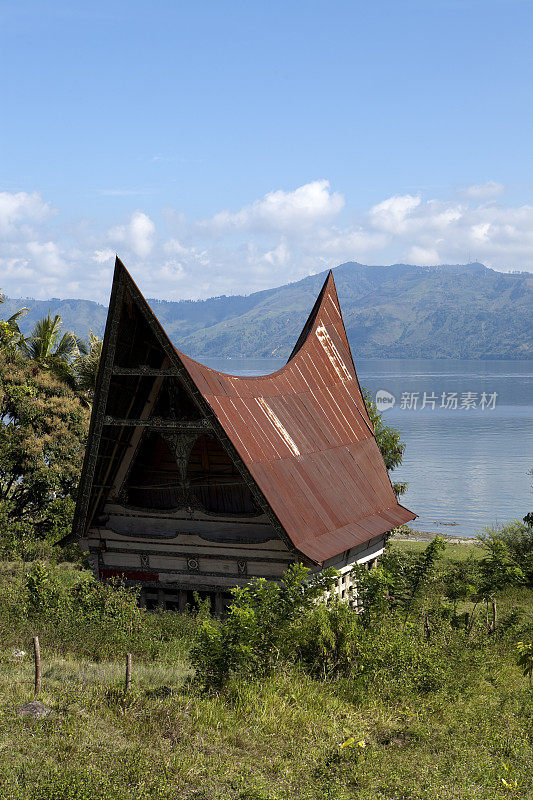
(306,438)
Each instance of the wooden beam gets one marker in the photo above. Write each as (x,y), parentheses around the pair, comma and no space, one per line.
(115,440)
(158,423)
(146,371)
(136,436)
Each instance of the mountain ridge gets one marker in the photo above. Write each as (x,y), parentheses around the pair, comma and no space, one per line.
(396,311)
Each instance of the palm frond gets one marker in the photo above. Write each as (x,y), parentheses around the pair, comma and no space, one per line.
(84,346)
(13,320)
(43,338)
(86,365)
(67,347)
(63,371)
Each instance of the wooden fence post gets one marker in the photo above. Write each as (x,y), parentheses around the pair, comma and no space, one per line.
(128,672)
(37,656)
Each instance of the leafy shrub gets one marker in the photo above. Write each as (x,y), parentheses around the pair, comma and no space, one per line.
(401,581)
(258,629)
(525,658)
(44,593)
(271,624)
(327,642)
(509,549)
(374,590)
(387,656)
(88,617)
(460,581)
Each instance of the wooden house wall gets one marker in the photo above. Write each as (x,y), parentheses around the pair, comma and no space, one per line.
(200,553)
(173,553)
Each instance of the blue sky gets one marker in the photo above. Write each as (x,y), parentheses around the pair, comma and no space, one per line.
(223,147)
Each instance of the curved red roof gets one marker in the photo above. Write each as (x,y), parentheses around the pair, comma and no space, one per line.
(304,434)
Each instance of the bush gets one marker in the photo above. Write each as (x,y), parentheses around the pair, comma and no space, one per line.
(387,657)
(327,642)
(73,612)
(511,544)
(391,644)
(258,630)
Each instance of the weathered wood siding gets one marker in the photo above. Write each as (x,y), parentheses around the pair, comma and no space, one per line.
(176,552)
(201,553)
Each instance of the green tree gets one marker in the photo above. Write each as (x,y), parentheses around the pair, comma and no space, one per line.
(10,334)
(43,426)
(388,439)
(404,580)
(373,591)
(53,350)
(506,550)
(460,582)
(508,554)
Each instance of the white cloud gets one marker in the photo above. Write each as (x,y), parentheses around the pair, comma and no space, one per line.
(481,232)
(48,256)
(137,235)
(484,191)
(174,247)
(101,256)
(423,257)
(310,204)
(348,244)
(280,237)
(21,207)
(278,256)
(172,271)
(393,213)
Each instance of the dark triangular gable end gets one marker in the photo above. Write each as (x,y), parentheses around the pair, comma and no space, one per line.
(131,324)
(329,285)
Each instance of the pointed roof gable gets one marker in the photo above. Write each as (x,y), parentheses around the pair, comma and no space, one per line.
(302,433)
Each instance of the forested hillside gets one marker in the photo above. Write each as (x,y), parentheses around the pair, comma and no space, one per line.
(401,311)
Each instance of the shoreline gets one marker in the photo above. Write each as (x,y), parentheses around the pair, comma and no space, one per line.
(411,535)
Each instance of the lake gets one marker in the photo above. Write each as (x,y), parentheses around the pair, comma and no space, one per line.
(467,465)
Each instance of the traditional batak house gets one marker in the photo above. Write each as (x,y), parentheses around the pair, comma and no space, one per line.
(195,480)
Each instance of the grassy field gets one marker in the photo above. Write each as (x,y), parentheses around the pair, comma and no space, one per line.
(463,732)
(453,551)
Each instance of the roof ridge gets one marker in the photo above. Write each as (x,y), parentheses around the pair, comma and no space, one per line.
(312,316)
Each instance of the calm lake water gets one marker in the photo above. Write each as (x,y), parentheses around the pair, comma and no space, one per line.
(466,466)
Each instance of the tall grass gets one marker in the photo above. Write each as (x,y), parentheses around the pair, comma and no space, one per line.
(409,718)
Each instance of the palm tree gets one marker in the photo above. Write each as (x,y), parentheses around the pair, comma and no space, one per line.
(86,365)
(52,350)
